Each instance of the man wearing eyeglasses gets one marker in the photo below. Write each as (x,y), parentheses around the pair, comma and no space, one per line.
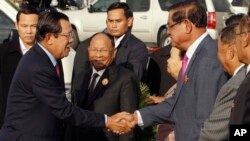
(199,80)
(23,38)
(37,106)
(131,51)
(107,88)
(240,111)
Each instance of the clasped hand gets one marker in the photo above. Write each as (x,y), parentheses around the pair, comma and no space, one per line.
(121,123)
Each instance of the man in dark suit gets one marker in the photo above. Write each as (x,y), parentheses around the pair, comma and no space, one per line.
(199,80)
(12,51)
(37,105)
(131,52)
(216,127)
(116,89)
(240,113)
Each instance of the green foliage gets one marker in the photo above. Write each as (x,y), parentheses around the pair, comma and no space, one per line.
(147,134)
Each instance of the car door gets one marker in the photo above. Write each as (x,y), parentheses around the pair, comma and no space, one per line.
(6,25)
(96,17)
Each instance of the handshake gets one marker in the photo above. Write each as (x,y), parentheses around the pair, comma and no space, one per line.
(121,123)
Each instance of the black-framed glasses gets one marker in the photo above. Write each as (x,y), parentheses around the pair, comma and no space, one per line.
(172,25)
(241,33)
(66,35)
(102,51)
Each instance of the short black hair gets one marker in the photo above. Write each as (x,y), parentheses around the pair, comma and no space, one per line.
(228,34)
(121,5)
(190,10)
(26,9)
(234,19)
(49,22)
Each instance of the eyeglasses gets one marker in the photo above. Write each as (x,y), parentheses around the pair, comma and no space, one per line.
(68,36)
(102,51)
(241,33)
(172,25)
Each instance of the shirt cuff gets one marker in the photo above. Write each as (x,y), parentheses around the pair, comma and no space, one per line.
(106,119)
(139,118)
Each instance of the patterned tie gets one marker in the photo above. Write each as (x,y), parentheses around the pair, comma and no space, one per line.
(92,84)
(184,65)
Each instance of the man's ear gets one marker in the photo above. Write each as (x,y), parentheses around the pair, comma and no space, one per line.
(49,38)
(130,21)
(188,26)
(246,40)
(230,51)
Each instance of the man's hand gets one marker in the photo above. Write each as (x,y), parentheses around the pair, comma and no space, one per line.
(120,123)
(154,99)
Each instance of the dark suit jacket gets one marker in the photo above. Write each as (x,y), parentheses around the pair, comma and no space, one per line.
(194,98)
(157,78)
(131,53)
(37,104)
(216,127)
(121,93)
(241,111)
(10,55)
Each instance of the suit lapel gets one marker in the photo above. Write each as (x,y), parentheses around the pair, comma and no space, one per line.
(181,82)
(82,94)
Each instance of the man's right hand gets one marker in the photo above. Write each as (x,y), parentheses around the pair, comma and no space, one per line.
(120,123)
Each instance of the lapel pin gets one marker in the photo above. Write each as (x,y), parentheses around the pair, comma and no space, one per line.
(105,81)
(185,79)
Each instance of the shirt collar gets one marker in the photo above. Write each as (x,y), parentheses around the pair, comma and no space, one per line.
(23,48)
(100,72)
(248,68)
(237,69)
(51,57)
(194,46)
(118,41)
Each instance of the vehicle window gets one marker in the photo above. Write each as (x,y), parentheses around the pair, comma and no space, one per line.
(139,5)
(102,5)
(5,26)
(243,3)
(221,5)
(165,4)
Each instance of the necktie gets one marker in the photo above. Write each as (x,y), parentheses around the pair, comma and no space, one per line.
(92,84)
(57,70)
(184,65)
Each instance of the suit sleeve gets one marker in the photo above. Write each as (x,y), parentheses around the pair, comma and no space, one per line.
(129,101)
(46,86)
(138,59)
(156,114)
(216,126)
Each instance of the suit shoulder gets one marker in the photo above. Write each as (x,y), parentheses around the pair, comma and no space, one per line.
(125,72)
(133,39)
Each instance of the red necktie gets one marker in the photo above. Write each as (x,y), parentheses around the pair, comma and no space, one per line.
(57,70)
(184,65)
